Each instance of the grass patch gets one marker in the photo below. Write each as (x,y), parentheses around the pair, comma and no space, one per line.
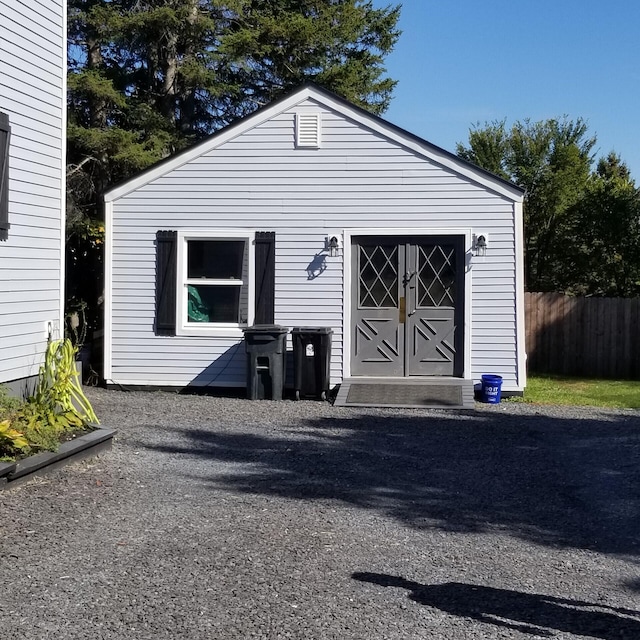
(562,390)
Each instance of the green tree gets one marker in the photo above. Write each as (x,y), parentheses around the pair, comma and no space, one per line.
(133,73)
(149,77)
(604,257)
(551,161)
(489,148)
(339,44)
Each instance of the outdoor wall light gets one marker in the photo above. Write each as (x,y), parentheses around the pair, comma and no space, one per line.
(480,243)
(333,244)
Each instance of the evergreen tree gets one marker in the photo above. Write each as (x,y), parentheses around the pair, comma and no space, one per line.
(338,44)
(149,77)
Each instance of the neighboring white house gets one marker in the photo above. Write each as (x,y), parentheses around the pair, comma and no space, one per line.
(32,179)
(238,230)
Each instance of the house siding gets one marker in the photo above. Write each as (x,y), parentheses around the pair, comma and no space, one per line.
(260,181)
(32,94)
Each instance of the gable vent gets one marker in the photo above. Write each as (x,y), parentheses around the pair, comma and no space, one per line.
(308,130)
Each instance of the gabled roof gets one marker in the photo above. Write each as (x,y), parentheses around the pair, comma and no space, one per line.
(340,105)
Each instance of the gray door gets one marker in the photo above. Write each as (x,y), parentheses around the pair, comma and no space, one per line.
(407,306)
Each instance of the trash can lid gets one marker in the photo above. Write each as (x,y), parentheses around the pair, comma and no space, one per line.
(312,330)
(266,328)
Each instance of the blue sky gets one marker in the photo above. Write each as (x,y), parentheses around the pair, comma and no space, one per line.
(458,62)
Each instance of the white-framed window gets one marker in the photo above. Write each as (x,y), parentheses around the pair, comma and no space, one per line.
(216,290)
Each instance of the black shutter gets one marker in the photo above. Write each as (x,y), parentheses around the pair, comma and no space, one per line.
(265,257)
(5,134)
(166,262)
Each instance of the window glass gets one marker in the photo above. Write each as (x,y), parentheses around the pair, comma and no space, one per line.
(212,303)
(217,282)
(216,259)
(378,276)
(436,277)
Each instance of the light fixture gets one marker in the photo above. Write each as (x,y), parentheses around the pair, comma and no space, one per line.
(333,244)
(480,243)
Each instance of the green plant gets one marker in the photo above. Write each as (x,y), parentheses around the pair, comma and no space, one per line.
(12,441)
(58,405)
(58,388)
(43,425)
(8,404)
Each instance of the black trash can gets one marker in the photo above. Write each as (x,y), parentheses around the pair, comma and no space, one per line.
(266,349)
(311,361)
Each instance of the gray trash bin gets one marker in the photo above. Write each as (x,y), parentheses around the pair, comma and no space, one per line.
(266,349)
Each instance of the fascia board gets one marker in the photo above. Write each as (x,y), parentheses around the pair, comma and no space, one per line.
(422,147)
(209,144)
(327,99)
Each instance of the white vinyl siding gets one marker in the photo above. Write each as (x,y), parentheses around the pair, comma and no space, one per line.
(32,93)
(260,180)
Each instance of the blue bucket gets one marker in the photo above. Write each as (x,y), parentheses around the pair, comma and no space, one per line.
(491,389)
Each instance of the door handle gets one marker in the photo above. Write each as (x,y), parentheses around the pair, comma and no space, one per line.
(402,311)
(406,279)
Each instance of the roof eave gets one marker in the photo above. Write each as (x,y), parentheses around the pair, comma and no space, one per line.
(332,100)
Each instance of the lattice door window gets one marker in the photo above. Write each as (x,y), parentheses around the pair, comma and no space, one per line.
(378,273)
(436,276)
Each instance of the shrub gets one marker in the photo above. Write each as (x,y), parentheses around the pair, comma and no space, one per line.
(58,406)
(8,404)
(12,442)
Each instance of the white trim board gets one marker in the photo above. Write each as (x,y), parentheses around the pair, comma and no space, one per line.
(521,341)
(328,100)
(108,295)
(63,174)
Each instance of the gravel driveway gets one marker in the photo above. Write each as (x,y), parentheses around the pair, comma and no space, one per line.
(224,518)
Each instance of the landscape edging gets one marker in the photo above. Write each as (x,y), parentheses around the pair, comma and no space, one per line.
(84,446)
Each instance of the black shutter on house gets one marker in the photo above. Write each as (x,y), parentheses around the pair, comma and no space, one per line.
(265,260)
(166,263)
(5,134)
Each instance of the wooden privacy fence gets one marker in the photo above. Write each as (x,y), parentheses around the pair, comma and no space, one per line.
(597,337)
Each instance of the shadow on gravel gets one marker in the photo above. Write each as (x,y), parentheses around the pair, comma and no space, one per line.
(634,584)
(532,613)
(562,482)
